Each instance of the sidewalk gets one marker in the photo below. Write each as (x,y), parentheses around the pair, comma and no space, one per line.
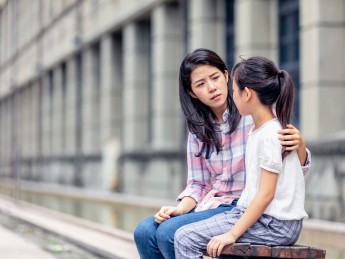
(13,246)
(103,241)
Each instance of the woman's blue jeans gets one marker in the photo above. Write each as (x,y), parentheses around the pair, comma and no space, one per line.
(155,240)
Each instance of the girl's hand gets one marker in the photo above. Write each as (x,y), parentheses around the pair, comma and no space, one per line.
(217,243)
(291,138)
(165,212)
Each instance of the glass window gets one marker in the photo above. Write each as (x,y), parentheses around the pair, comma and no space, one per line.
(229,33)
(289,58)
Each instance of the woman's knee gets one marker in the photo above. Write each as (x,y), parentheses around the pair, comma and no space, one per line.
(146,229)
(165,233)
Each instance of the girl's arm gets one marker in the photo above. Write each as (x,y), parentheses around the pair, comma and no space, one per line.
(262,199)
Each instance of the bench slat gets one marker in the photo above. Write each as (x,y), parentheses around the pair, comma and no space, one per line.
(245,250)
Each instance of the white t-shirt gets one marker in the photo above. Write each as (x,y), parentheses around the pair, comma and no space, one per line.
(265,151)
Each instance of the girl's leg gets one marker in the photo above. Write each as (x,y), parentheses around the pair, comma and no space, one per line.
(192,239)
(157,240)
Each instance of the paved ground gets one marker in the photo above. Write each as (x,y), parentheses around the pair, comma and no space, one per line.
(105,241)
(13,246)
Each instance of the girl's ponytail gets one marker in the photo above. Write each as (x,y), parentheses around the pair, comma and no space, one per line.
(285,99)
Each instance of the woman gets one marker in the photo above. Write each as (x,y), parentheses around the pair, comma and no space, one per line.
(215,153)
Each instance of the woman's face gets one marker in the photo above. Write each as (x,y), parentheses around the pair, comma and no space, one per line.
(209,85)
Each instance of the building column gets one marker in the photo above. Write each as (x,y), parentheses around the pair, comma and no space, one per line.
(25,144)
(136,101)
(207,25)
(56,169)
(87,95)
(167,52)
(91,116)
(71,118)
(136,83)
(35,100)
(111,62)
(322,77)
(167,118)
(46,126)
(256,28)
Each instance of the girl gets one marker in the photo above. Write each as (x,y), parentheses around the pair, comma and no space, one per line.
(271,208)
(215,154)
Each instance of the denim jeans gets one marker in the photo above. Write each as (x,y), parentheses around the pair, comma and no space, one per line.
(155,240)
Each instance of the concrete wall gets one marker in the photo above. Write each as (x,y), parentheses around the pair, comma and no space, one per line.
(89,89)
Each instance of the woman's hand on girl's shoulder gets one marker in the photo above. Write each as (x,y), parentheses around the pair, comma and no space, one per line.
(291,138)
(166,212)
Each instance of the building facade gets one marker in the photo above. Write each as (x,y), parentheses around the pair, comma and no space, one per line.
(89,88)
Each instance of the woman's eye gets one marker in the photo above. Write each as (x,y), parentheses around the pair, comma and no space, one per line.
(215,78)
(200,84)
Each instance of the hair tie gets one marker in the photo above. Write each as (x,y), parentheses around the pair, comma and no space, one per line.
(280,73)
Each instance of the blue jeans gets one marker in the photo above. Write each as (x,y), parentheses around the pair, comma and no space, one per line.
(155,240)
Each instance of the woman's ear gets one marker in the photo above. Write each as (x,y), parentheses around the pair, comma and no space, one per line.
(248,93)
(193,95)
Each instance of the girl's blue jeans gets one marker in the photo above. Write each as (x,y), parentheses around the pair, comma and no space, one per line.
(155,240)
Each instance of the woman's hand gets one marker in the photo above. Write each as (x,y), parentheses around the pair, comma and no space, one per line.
(291,139)
(166,212)
(217,243)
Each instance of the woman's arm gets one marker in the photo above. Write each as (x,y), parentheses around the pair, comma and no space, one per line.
(186,205)
(199,177)
(264,196)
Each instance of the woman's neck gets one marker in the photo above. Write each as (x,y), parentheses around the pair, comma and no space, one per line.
(218,113)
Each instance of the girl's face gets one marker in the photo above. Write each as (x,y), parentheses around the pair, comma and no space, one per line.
(209,85)
(239,98)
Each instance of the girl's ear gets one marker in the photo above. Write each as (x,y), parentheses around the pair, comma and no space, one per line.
(248,93)
(193,95)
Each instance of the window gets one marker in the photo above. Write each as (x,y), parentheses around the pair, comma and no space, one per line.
(229,33)
(289,46)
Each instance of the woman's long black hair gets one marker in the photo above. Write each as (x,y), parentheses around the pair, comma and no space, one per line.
(198,115)
(270,84)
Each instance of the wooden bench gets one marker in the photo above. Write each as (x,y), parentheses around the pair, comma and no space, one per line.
(246,250)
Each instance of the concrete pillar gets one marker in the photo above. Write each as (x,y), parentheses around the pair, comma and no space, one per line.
(167,52)
(9,133)
(256,28)
(2,136)
(46,125)
(111,88)
(25,139)
(111,108)
(70,118)
(91,115)
(206,25)
(57,111)
(71,106)
(322,77)
(35,137)
(87,107)
(136,83)
(57,119)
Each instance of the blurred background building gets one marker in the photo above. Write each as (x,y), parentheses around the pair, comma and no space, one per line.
(89,88)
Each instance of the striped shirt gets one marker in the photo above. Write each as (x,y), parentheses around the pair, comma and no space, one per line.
(221,178)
